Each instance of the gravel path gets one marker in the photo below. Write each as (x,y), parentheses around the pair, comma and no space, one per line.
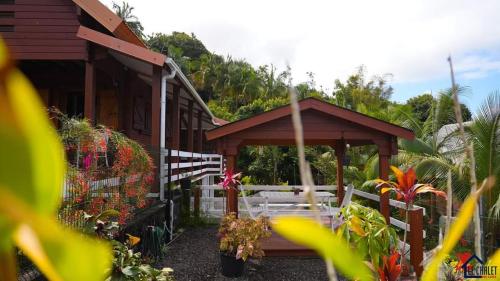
(194,256)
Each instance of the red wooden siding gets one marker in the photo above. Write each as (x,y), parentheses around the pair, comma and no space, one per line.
(44,30)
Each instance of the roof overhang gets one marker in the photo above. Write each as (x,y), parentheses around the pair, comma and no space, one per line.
(317,105)
(109,20)
(121,46)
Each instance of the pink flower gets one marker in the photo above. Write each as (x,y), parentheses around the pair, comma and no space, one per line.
(230,179)
(239,252)
(87,162)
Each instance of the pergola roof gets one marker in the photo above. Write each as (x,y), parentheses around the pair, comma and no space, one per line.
(323,122)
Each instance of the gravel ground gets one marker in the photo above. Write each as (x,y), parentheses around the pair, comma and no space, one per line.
(195,256)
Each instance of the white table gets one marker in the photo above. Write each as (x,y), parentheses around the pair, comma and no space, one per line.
(301,195)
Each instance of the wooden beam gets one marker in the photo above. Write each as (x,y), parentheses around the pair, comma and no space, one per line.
(199,142)
(155,108)
(416,239)
(232,194)
(190,135)
(339,154)
(90,92)
(384,174)
(156,124)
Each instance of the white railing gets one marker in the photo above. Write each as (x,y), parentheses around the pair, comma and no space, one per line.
(256,203)
(183,164)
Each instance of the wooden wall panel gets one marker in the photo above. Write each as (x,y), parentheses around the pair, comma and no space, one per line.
(44,30)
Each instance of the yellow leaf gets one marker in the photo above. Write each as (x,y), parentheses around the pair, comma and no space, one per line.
(309,233)
(385,189)
(356,226)
(452,237)
(495,259)
(133,240)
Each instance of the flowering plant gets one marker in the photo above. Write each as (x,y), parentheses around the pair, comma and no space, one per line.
(390,269)
(406,188)
(100,155)
(241,237)
(230,179)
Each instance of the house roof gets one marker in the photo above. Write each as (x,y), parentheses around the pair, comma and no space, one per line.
(126,49)
(109,20)
(121,46)
(317,105)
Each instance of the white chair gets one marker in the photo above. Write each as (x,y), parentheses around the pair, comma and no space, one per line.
(346,201)
(335,220)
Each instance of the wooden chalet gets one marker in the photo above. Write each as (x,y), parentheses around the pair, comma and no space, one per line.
(84,60)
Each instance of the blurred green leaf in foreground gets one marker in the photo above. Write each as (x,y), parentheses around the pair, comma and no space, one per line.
(32,168)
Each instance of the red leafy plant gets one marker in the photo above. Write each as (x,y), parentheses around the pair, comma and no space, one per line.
(240,237)
(390,269)
(407,188)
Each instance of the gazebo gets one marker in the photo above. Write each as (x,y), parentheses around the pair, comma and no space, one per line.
(324,124)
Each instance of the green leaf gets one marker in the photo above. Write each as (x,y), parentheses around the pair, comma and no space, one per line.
(309,233)
(32,168)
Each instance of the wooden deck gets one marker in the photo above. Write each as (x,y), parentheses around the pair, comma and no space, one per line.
(277,246)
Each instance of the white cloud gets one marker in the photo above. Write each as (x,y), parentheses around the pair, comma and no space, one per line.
(411,40)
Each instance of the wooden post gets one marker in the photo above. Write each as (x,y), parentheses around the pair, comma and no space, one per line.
(199,132)
(90,92)
(232,194)
(197,195)
(176,110)
(340,153)
(384,174)
(175,127)
(416,239)
(155,123)
(190,135)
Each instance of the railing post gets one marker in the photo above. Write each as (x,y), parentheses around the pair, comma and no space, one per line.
(186,197)
(416,239)
(196,207)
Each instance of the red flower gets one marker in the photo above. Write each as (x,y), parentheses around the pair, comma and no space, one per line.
(407,187)
(390,270)
(462,258)
(230,179)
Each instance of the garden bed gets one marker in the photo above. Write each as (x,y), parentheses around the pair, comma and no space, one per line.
(194,256)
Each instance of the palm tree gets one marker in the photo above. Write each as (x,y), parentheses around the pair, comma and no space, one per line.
(125,12)
(484,134)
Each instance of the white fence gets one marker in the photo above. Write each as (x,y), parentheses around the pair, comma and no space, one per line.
(258,202)
(177,165)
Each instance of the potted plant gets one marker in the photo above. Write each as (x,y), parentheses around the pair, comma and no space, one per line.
(240,239)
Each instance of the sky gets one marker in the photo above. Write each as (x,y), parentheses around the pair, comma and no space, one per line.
(410,40)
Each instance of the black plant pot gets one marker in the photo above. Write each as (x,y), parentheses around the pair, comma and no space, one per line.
(231,267)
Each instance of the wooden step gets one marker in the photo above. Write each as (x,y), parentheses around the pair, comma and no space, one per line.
(278,246)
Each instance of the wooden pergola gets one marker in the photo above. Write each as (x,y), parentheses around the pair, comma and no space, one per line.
(324,124)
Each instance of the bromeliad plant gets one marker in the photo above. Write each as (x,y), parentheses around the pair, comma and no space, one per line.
(241,237)
(230,180)
(407,188)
